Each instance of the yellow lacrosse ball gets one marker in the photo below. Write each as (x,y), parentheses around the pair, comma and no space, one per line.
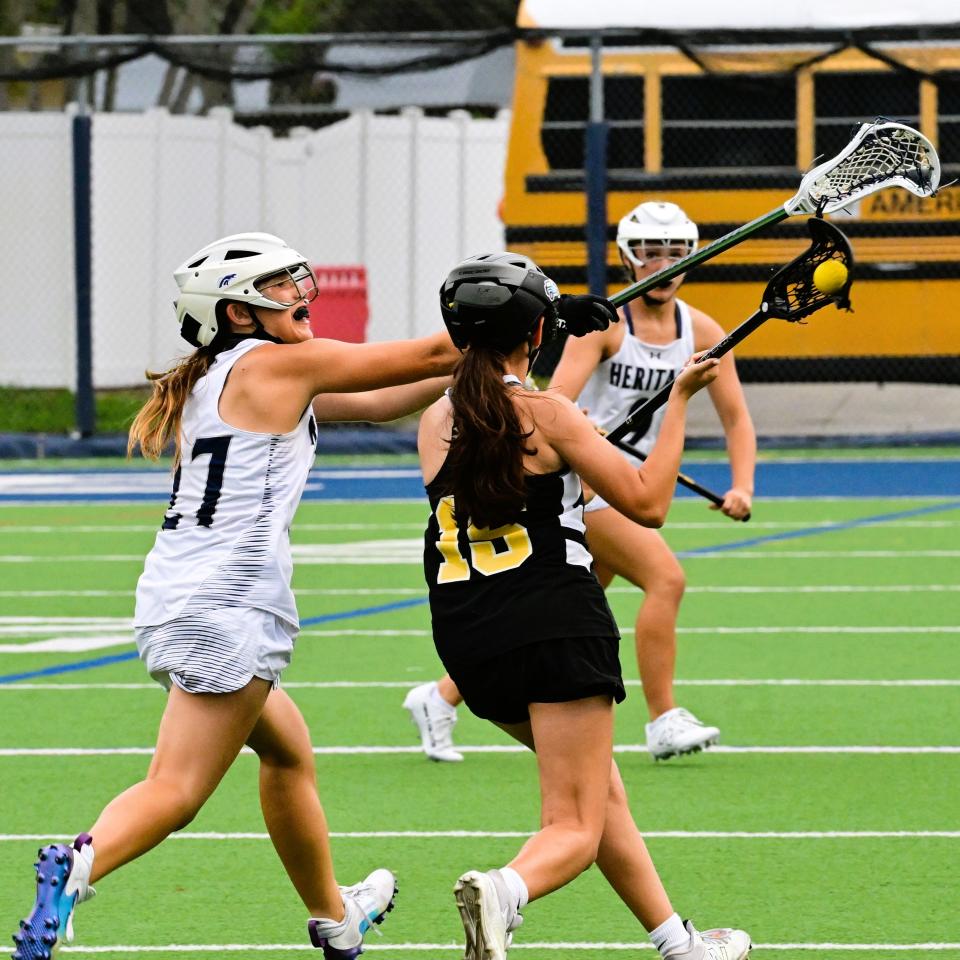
(830,277)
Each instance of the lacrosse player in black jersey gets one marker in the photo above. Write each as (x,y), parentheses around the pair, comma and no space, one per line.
(519,619)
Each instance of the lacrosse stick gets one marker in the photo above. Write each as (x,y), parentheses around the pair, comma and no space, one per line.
(789,295)
(882,154)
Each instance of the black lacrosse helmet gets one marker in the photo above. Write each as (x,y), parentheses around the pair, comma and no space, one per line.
(495,300)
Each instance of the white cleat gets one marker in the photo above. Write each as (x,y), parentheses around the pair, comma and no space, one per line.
(713,945)
(364,904)
(434,718)
(677,732)
(487,918)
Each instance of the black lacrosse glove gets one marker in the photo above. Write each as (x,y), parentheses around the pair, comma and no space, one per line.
(584,313)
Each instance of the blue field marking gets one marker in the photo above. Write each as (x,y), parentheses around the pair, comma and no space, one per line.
(420,601)
(824,528)
(132,654)
(362,612)
(783,478)
(70,667)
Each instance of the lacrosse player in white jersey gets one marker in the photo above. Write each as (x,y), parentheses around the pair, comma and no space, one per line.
(608,373)
(215,616)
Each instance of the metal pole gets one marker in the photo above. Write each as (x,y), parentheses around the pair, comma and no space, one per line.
(595,171)
(85,410)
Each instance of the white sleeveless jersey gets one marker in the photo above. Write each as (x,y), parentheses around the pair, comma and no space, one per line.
(225,537)
(634,373)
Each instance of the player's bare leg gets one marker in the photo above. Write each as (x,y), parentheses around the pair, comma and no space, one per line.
(624,861)
(199,738)
(623,548)
(448,690)
(642,556)
(291,805)
(573,743)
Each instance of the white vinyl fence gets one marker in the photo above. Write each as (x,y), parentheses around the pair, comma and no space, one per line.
(405,196)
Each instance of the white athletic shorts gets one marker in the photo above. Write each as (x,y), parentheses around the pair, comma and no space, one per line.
(217,651)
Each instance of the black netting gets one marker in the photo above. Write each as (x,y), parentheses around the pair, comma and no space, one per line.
(250,60)
(746,121)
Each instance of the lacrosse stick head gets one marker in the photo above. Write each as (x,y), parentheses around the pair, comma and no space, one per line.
(791,293)
(882,154)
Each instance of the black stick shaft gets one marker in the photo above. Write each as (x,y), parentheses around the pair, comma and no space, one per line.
(660,397)
(683,480)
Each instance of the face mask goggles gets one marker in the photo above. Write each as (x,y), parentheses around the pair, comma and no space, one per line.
(643,252)
(296,284)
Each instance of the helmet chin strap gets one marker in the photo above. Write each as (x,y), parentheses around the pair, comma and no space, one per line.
(260,332)
(532,354)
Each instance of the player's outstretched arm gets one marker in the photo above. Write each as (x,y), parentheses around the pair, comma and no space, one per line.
(379,406)
(726,393)
(644,495)
(329,366)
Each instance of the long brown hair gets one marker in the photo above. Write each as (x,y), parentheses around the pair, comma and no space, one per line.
(158,421)
(485,460)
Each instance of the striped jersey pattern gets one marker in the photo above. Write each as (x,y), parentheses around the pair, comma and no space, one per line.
(225,538)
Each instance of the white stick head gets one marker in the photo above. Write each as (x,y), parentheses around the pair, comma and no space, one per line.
(882,154)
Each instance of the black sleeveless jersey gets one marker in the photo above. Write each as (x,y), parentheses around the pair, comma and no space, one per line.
(492,591)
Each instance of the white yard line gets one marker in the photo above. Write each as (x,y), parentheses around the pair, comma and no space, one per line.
(688,631)
(358,750)
(418,591)
(114,632)
(451,948)
(55,836)
(402,553)
(361,527)
(408,684)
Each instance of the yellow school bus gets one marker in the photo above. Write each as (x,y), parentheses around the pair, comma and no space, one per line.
(725,130)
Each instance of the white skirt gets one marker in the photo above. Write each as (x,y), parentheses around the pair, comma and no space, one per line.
(217,651)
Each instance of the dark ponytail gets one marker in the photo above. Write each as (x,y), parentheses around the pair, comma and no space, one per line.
(485,460)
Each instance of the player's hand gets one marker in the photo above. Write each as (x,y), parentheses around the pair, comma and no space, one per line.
(696,375)
(584,313)
(736,503)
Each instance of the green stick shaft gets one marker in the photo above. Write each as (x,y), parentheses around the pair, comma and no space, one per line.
(725,242)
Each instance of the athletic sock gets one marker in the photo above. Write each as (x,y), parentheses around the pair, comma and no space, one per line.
(516,886)
(437,698)
(670,935)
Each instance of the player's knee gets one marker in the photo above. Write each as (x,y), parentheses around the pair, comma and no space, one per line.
(182,802)
(617,795)
(587,848)
(668,584)
(287,759)
(582,840)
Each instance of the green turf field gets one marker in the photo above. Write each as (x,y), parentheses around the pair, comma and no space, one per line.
(833,836)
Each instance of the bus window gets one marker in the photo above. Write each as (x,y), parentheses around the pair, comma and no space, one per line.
(568,108)
(729,121)
(843,100)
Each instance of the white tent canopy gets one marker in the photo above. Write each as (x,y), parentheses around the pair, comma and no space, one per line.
(737,14)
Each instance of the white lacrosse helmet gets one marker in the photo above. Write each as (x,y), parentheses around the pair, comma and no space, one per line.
(233,268)
(655,224)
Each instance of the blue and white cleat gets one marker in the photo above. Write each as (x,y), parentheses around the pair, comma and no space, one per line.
(63,881)
(364,904)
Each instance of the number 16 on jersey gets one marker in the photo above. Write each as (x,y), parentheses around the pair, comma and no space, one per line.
(491,551)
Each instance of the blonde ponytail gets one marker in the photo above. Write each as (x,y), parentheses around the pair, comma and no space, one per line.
(158,421)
